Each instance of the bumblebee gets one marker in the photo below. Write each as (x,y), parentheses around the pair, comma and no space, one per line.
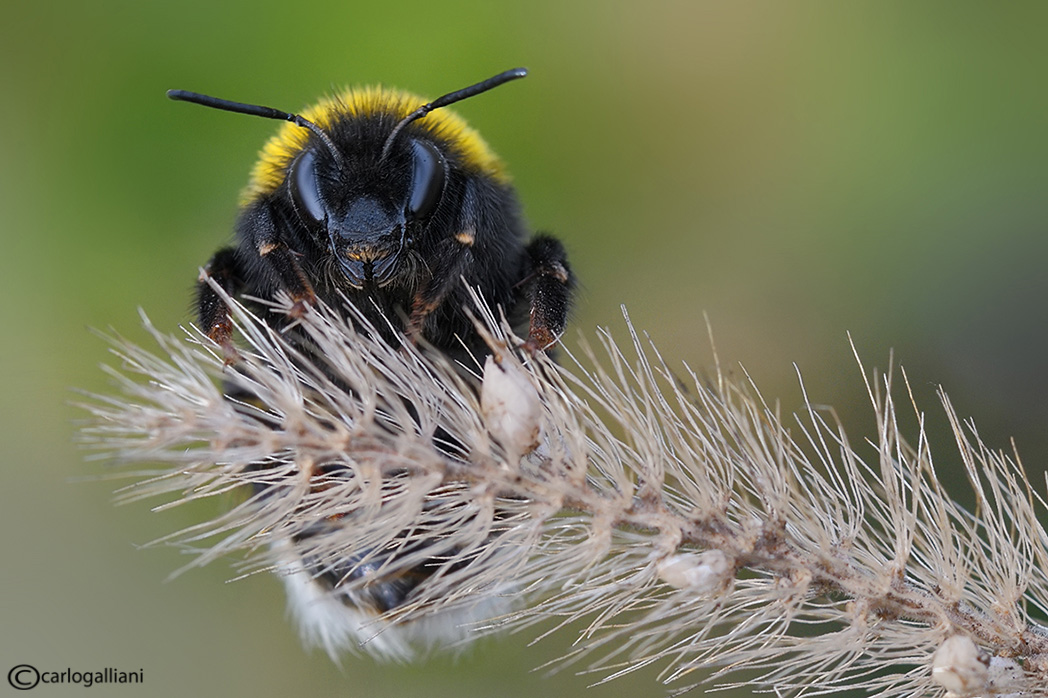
(390,202)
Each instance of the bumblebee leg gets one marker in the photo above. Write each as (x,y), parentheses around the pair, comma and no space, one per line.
(452,258)
(281,260)
(212,312)
(550,285)
(278,261)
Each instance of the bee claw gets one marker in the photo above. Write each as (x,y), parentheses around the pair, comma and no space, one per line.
(222,335)
(539,340)
(300,307)
(230,355)
(532,347)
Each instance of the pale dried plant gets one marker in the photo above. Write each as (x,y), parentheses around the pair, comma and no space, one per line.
(677,521)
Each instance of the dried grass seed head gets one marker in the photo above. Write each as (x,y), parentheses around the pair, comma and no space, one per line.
(382,461)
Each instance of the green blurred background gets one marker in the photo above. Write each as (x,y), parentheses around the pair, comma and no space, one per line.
(795,170)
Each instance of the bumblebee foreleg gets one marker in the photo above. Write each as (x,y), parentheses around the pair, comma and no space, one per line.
(280,261)
(454,256)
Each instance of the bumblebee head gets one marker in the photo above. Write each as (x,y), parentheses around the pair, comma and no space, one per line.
(360,202)
(364,173)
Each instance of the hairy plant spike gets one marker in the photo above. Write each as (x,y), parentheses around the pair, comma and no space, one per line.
(687,525)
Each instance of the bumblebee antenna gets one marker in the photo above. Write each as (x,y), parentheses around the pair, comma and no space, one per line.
(255,110)
(451,98)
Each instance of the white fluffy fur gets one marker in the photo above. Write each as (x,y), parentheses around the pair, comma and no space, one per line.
(332,621)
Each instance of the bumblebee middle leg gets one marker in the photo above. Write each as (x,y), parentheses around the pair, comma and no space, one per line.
(225,269)
(550,286)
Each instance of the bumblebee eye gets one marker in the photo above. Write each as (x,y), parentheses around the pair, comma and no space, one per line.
(427,179)
(303,184)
